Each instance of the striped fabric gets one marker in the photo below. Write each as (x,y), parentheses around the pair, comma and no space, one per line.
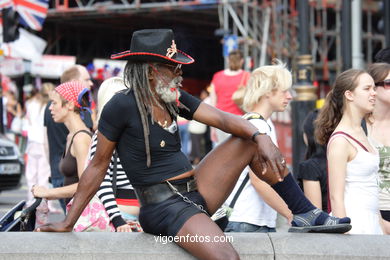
(105,192)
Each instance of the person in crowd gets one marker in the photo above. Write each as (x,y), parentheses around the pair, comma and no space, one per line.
(378,124)
(208,144)
(312,171)
(13,107)
(37,166)
(56,133)
(197,132)
(255,210)
(121,205)
(177,199)
(223,85)
(184,135)
(69,103)
(383,56)
(352,161)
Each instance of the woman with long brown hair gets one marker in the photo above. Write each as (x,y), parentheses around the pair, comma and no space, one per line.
(352,161)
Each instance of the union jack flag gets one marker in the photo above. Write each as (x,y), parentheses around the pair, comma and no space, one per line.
(5,4)
(32,13)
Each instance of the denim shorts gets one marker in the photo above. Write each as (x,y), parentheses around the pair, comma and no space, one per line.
(128,217)
(246,227)
(168,217)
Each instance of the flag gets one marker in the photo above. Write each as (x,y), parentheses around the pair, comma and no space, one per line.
(5,4)
(32,13)
(28,46)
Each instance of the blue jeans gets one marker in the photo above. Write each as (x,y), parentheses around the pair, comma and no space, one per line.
(59,183)
(246,227)
(128,217)
(185,138)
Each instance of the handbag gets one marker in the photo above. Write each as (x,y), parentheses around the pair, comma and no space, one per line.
(93,218)
(221,216)
(238,95)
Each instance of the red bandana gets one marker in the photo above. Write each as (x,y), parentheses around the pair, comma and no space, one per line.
(72,91)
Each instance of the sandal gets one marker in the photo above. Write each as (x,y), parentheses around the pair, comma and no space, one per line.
(307,223)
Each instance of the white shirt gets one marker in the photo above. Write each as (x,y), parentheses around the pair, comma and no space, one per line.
(34,115)
(250,207)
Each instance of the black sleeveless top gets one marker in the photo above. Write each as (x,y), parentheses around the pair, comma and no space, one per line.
(68,163)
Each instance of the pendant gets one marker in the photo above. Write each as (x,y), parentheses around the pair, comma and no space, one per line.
(164,125)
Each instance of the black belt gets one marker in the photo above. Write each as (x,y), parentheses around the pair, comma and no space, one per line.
(159,192)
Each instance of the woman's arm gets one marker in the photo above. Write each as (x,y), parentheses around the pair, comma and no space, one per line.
(312,190)
(213,96)
(238,126)
(55,193)
(213,102)
(270,196)
(339,151)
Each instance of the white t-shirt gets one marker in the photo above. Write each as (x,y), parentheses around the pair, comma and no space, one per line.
(250,207)
(34,115)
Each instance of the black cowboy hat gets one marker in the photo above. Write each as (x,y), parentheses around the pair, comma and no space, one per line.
(154,45)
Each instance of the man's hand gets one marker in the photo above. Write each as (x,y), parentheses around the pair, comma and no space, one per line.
(54,227)
(270,158)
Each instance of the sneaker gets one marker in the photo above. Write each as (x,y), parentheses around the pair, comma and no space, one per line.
(309,222)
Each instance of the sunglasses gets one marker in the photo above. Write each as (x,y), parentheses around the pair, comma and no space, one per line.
(176,68)
(385,84)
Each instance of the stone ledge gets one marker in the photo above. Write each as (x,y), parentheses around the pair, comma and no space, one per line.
(29,245)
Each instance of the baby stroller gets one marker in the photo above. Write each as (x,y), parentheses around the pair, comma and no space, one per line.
(19,219)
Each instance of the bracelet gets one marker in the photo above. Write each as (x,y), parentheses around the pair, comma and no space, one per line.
(256,134)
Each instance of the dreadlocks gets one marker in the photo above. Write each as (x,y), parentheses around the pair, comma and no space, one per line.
(136,79)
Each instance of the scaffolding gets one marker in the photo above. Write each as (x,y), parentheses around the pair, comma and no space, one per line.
(266,29)
(325,27)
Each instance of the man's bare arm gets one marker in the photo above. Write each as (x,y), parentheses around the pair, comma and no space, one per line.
(88,185)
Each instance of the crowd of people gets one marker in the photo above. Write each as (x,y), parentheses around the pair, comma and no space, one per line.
(131,160)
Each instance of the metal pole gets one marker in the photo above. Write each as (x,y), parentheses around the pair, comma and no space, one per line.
(255,49)
(246,36)
(338,42)
(306,96)
(357,55)
(266,22)
(303,19)
(346,41)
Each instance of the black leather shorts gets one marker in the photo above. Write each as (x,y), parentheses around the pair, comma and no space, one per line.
(385,214)
(168,217)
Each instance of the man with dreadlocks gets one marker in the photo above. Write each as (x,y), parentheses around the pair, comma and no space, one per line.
(177,200)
